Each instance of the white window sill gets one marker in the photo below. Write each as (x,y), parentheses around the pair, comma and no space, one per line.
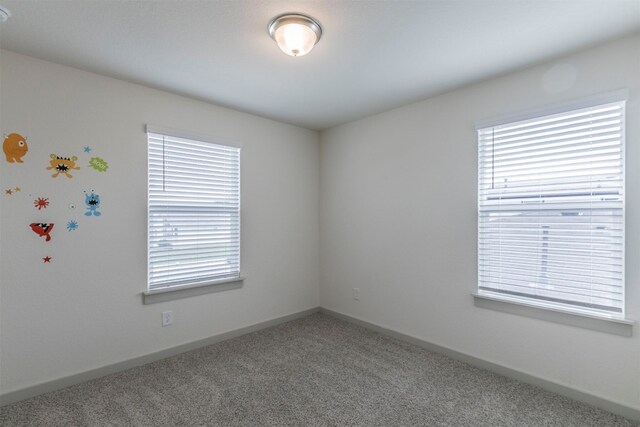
(617,326)
(177,292)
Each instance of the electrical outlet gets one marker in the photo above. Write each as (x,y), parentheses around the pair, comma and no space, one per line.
(356,294)
(167,318)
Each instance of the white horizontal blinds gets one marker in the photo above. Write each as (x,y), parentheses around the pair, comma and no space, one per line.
(193,212)
(551,210)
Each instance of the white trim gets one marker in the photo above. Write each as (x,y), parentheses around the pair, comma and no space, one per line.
(184,291)
(611,325)
(561,389)
(190,135)
(576,104)
(623,138)
(193,285)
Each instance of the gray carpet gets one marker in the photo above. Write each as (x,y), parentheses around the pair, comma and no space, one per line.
(316,371)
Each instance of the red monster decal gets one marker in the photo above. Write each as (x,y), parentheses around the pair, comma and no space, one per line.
(42,230)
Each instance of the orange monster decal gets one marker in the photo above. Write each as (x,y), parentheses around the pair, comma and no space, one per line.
(15,147)
(62,165)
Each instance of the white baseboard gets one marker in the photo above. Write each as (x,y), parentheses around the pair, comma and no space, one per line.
(563,390)
(49,386)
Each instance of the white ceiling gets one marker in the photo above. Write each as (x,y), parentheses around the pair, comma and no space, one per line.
(373,56)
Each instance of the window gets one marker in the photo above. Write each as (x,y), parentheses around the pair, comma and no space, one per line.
(193,212)
(551,211)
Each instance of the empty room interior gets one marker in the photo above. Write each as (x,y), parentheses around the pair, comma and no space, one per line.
(320,213)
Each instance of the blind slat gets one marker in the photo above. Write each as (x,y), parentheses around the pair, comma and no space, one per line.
(193,211)
(551,210)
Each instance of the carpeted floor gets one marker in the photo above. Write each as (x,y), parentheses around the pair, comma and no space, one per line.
(316,371)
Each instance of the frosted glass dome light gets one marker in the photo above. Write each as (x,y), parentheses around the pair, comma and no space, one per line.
(295,34)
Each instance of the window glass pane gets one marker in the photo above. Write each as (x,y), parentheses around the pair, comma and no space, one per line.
(551,210)
(193,212)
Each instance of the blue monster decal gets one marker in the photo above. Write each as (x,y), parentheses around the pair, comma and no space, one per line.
(92,200)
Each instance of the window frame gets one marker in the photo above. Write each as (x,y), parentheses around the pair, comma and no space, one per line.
(160,294)
(614,323)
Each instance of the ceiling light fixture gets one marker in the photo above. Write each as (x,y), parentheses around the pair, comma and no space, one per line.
(4,14)
(296,34)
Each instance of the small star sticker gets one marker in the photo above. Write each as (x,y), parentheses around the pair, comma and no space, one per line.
(47,259)
(8,191)
(87,149)
(17,189)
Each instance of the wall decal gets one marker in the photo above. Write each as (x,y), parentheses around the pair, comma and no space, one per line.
(62,165)
(42,229)
(87,149)
(12,191)
(15,147)
(98,164)
(72,206)
(92,200)
(72,225)
(41,203)
(47,259)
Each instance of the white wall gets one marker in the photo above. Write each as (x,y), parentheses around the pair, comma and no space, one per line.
(398,221)
(84,310)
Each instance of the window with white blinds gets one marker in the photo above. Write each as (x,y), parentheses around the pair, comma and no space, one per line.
(193,212)
(551,211)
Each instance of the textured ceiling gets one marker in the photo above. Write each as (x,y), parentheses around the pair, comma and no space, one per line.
(373,56)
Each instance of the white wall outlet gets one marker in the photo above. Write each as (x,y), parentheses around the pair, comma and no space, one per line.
(356,294)
(167,318)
